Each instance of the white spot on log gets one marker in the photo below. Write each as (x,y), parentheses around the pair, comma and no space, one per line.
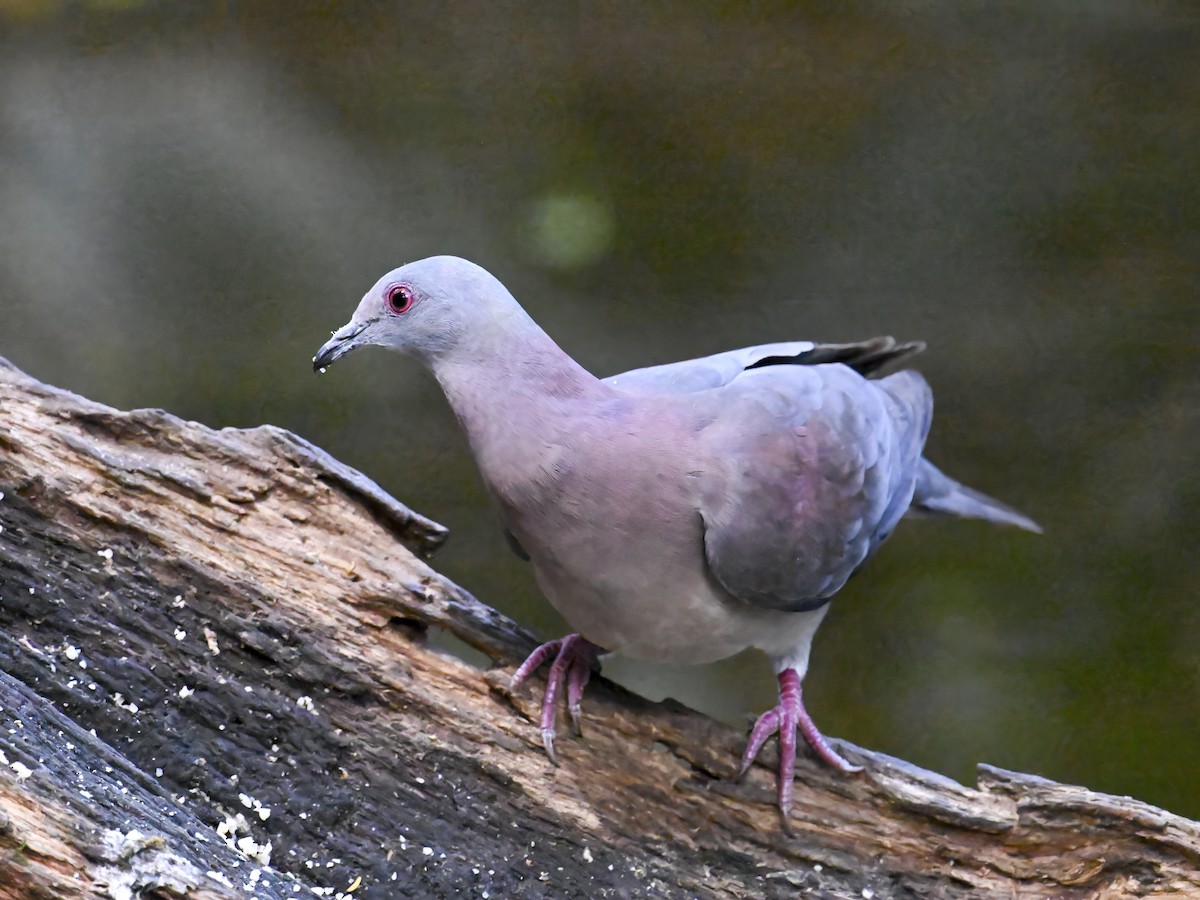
(260,853)
(220,878)
(263,812)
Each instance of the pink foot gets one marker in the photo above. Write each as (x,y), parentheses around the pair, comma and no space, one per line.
(574,659)
(785,718)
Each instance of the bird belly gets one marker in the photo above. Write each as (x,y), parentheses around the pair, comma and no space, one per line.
(677,620)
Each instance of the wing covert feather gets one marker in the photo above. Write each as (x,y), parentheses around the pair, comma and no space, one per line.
(805,476)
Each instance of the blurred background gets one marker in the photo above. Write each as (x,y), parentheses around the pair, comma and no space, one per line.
(193,195)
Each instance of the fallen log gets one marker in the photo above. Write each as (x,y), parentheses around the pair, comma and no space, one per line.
(217,679)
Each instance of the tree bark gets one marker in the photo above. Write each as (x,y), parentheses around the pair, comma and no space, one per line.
(215,650)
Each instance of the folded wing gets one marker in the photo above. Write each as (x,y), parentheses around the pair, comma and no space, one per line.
(804,476)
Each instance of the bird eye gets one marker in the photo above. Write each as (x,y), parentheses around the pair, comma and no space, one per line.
(399,298)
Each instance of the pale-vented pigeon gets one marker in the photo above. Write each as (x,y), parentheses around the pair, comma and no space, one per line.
(681,512)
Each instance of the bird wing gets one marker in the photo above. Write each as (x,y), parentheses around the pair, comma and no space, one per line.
(803,473)
(868,358)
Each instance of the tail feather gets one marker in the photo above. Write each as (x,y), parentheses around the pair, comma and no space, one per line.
(940,494)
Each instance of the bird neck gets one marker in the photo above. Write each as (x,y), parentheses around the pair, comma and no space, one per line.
(514,389)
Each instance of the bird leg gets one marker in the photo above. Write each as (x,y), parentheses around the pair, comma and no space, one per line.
(574,658)
(785,718)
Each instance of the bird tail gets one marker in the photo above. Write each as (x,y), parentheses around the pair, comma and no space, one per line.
(940,494)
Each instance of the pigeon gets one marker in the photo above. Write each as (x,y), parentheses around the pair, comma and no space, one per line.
(680,512)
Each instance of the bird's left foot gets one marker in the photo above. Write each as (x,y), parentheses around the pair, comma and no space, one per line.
(574,658)
(786,718)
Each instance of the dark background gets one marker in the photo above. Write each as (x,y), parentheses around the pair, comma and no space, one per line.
(193,195)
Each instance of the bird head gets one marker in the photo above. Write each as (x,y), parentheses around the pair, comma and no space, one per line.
(427,309)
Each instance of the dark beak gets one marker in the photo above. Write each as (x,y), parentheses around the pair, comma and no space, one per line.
(339,345)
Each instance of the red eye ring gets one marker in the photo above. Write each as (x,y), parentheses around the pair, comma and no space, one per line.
(399,298)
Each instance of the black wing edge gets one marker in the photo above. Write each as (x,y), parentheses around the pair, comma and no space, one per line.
(869,358)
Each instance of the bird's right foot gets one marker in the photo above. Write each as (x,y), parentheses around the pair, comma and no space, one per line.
(786,718)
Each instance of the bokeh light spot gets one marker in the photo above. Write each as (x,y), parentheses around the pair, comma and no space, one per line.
(569,231)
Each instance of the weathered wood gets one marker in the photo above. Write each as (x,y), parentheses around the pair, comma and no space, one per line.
(198,624)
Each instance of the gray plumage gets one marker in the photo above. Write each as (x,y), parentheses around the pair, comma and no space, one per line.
(680,512)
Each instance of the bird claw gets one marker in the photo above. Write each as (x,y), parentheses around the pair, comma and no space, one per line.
(785,719)
(575,714)
(574,657)
(548,743)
